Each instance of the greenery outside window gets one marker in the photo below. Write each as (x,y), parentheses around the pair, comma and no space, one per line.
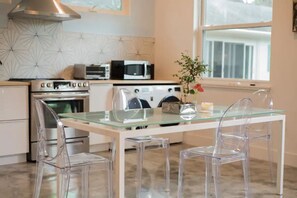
(119,7)
(236,38)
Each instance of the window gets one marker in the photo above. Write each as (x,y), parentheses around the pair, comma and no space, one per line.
(100,6)
(229,60)
(236,38)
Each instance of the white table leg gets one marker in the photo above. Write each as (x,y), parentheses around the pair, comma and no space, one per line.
(119,183)
(280,158)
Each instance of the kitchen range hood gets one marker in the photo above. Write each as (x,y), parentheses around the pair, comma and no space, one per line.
(51,10)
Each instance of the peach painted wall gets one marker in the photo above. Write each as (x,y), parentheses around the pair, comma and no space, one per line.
(173,33)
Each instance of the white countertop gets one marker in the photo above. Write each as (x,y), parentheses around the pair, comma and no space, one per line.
(19,83)
(14,83)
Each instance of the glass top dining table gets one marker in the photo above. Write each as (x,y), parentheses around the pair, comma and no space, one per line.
(122,124)
(155,116)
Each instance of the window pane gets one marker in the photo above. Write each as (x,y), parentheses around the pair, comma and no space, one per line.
(98,4)
(238,53)
(217,59)
(233,60)
(222,12)
(248,70)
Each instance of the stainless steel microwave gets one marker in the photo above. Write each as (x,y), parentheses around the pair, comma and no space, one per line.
(131,70)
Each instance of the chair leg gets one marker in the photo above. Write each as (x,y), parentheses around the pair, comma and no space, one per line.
(113,151)
(38,180)
(167,168)
(64,183)
(85,181)
(270,159)
(180,175)
(246,176)
(208,176)
(140,152)
(109,179)
(216,177)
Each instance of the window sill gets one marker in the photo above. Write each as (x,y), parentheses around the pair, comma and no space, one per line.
(235,84)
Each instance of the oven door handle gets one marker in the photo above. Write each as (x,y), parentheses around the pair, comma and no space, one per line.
(67,142)
(66,96)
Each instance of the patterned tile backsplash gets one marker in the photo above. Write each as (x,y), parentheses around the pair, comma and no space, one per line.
(31,48)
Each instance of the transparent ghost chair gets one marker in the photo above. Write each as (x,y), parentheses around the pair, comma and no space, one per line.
(126,101)
(231,145)
(263,131)
(59,158)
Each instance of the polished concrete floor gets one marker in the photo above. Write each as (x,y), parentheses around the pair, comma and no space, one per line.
(17,180)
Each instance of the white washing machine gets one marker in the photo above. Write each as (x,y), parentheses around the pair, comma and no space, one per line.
(154,95)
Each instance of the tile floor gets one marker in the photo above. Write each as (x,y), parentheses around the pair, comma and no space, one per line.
(17,180)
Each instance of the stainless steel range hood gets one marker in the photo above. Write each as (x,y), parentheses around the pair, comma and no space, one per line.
(43,9)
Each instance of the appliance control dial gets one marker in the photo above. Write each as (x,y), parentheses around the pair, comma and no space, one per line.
(79,84)
(170,90)
(85,84)
(42,85)
(49,85)
(73,84)
(136,90)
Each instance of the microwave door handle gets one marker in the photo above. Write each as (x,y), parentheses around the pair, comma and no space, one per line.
(145,70)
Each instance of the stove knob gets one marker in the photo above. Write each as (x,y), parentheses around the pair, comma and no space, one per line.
(73,84)
(85,84)
(79,84)
(42,85)
(49,84)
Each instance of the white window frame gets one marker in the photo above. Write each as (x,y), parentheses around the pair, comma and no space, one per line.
(199,28)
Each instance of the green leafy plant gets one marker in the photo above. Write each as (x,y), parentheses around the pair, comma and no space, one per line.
(191,71)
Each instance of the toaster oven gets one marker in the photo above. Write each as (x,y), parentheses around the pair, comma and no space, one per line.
(92,72)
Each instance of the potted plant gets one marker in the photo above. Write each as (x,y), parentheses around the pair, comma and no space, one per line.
(192,70)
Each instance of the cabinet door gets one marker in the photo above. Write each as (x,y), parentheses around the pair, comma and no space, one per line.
(14,137)
(101,97)
(14,102)
(100,100)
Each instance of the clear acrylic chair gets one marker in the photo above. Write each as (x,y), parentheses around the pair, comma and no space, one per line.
(263,131)
(231,145)
(59,158)
(127,101)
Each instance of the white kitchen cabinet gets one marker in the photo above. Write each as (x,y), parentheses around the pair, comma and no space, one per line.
(14,120)
(13,102)
(14,137)
(100,100)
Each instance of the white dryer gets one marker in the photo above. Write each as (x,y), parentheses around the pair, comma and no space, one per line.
(154,95)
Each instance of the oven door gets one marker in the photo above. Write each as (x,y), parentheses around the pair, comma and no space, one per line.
(60,103)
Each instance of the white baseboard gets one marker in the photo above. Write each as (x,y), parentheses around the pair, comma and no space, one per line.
(256,151)
(12,159)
